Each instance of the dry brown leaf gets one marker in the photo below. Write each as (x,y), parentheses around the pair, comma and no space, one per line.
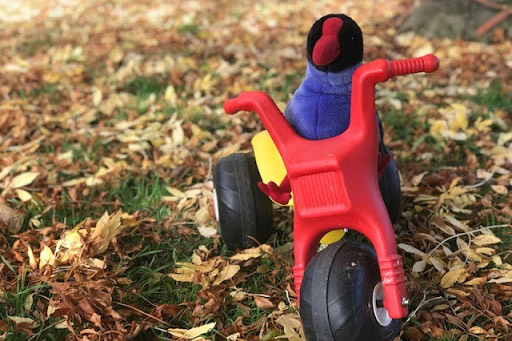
(263,303)
(411,249)
(12,219)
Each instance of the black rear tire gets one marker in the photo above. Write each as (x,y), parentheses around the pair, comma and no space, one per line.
(244,212)
(336,296)
(389,182)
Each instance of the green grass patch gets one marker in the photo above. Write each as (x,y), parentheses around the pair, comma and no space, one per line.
(48,90)
(141,193)
(145,86)
(494,97)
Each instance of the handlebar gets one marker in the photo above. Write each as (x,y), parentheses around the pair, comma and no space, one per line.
(363,101)
(428,63)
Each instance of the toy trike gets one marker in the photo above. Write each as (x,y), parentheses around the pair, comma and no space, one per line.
(348,291)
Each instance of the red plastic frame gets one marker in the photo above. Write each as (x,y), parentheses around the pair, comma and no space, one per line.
(334,181)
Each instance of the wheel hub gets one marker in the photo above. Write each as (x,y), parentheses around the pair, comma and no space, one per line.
(381,313)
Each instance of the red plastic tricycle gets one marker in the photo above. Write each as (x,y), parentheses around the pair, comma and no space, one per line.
(348,291)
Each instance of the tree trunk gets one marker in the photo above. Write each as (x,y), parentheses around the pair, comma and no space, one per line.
(456,19)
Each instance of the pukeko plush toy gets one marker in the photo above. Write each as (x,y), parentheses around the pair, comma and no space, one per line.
(320,108)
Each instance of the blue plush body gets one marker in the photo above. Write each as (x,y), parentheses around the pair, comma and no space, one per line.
(320,108)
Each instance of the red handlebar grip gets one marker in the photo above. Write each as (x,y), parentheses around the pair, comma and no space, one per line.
(428,63)
(231,106)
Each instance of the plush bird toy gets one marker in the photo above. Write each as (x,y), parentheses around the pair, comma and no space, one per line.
(320,108)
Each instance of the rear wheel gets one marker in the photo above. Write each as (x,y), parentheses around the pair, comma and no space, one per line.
(244,212)
(389,182)
(341,296)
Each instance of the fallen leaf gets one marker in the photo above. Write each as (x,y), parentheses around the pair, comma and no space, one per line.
(451,277)
(207,232)
(23,179)
(411,249)
(419,266)
(263,303)
(486,239)
(12,219)
(23,195)
(254,252)
(190,334)
(107,228)
(227,273)
(46,257)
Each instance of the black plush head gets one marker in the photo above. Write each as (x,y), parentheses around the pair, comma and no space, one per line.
(336,46)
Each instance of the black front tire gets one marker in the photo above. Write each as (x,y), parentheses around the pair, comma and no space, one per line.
(244,212)
(336,296)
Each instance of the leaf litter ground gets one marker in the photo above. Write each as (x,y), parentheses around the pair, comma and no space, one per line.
(111,123)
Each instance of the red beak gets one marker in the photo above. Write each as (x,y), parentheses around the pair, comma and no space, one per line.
(327,48)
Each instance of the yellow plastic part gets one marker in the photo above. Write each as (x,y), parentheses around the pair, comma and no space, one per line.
(269,161)
(271,168)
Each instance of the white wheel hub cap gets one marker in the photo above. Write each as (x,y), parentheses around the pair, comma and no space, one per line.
(216,204)
(381,313)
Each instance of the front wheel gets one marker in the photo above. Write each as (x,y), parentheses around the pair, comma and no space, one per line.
(341,296)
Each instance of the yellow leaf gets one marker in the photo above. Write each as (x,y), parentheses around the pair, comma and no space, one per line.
(201,215)
(227,273)
(488,251)
(477,330)
(69,246)
(438,264)
(207,232)
(46,257)
(170,95)
(500,189)
(292,327)
(97,96)
(417,179)
(497,260)
(106,229)
(175,192)
(23,195)
(22,321)
(182,277)
(190,334)
(486,239)
(501,280)
(254,252)
(31,259)
(27,306)
(233,337)
(451,277)
(23,179)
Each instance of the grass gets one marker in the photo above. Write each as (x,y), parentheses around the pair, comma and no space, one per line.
(22,301)
(494,98)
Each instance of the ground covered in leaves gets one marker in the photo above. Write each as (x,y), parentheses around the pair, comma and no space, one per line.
(111,121)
